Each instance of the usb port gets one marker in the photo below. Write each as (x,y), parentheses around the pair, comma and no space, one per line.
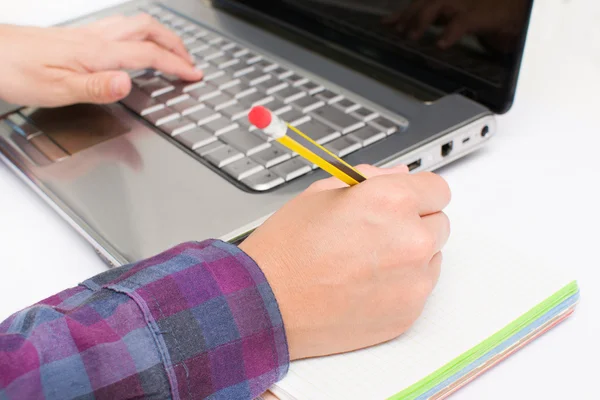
(414,165)
(447,149)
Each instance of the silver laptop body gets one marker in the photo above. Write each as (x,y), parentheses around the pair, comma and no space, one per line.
(137,177)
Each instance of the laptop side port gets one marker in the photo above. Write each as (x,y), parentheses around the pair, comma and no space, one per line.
(414,165)
(484,131)
(447,148)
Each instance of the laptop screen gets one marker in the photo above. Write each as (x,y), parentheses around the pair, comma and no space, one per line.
(472,47)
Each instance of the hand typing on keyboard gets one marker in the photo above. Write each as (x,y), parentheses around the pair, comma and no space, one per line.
(63,65)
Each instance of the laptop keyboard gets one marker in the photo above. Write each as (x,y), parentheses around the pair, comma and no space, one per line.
(209,117)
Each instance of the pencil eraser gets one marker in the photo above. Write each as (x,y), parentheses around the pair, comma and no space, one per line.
(260,117)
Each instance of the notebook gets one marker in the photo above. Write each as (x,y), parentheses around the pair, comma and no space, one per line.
(477,316)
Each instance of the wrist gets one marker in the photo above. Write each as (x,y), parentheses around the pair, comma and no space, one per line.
(285,287)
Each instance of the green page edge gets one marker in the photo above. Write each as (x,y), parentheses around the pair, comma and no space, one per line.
(487,345)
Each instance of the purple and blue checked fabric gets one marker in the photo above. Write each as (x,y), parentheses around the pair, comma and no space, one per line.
(197,321)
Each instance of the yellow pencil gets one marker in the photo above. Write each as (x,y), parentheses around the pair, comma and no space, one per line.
(295,140)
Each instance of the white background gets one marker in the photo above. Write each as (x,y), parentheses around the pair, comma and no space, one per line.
(535,186)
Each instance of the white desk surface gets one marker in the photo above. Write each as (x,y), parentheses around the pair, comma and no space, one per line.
(536,183)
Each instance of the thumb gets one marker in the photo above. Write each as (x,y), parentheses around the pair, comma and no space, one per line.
(99,87)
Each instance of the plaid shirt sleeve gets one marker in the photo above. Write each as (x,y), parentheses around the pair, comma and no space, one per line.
(197,321)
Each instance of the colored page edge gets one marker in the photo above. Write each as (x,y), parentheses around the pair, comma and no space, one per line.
(566,307)
(487,345)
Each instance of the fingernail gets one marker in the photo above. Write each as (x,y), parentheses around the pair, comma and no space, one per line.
(116,86)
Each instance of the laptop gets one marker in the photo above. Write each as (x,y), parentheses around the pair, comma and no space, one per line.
(177,161)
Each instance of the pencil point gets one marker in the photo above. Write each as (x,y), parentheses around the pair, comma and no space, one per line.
(260,117)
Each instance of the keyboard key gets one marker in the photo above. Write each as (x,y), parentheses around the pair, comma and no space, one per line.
(155,11)
(276,105)
(177,126)
(177,22)
(238,70)
(224,61)
(346,105)
(161,116)
(211,38)
(141,103)
(365,114)
(227,46)
(265,65)
(289,94)
(255,98)
(271,85)
(199,49)
(212,75)
(296,80)
(156,87)
(388,126)
(223,155)
(212,146)
(235,49)
(255,77)
(328,96)
(243,168)
(171,98)
(263,180)
(311,88)
(367,135)
(187,106)
(293,116)
(203,115)
(239,90)
(235,111)
(337,119)
(165,16)
(185,87)
(293,168)
(168,77)
(136,73)
(317,131)
(219,126)
(245,141)
(224,81)
(198,32)
(188,39)
(214,55)
(195,138)
(200,64)
(308,103)
(147,76)
(343,146)
(219,101)
(281,72)
(204,92)
(249,58)
(189,29)
(245,124)
(211,72)
(272,155)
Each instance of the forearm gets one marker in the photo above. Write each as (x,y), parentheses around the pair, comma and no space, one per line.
(196,320)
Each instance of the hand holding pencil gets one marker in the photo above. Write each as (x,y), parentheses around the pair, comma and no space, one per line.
(295,140)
